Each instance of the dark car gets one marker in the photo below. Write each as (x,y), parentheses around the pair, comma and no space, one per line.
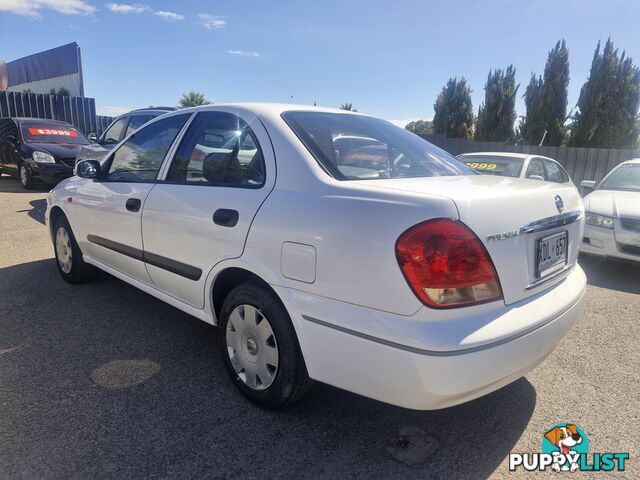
(119,129)
(38,149)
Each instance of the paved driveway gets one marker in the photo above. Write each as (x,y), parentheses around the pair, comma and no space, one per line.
(104,381)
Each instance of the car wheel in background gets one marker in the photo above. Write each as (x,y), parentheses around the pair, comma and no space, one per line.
(69,260)
(24,174)
(260,348)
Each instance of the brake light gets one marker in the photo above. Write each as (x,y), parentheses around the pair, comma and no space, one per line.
(446,265)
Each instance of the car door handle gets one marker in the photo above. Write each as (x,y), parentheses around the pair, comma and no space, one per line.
(133,204)
(225,217)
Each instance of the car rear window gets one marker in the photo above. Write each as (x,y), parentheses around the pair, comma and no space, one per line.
(61,134)
(357,147)
(500,166)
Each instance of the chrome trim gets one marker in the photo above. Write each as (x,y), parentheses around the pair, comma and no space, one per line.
(567,269)
(448,353)
(551,222)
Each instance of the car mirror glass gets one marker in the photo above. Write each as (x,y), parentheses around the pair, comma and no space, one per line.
(88,169)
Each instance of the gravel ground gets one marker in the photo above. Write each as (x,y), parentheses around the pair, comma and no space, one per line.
(104,381)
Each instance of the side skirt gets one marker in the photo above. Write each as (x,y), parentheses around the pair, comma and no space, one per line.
(174,302)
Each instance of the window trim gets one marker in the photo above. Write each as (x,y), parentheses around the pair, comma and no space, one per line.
(107,164)
(162,176)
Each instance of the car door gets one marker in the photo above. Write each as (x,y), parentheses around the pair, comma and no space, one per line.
(9,147)
(200,212)
(109,209)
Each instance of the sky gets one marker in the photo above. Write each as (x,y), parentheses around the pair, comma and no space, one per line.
(389,58)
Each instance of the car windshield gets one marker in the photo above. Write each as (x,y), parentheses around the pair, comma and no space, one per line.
(500,166)
(356,147)
(625,177)
(52,133)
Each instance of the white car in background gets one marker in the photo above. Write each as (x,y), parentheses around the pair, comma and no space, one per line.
(613,214)
(516,165)
(332,246)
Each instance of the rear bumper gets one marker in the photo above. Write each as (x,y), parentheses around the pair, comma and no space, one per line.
(602,242)
(413,372)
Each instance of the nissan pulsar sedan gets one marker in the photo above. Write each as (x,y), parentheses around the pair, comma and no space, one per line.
(392,271)
(613,214)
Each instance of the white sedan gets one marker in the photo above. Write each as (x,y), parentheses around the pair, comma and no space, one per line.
(385,268)
(516,165)
(613,214)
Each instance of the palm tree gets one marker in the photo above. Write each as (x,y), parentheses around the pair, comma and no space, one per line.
(192,99)
(348,106)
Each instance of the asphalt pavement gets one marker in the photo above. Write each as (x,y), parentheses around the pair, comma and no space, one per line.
(104,381)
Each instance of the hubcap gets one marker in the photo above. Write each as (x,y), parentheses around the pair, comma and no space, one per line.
(252,347)
(64,253)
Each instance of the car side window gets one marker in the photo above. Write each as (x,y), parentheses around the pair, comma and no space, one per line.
(535,168)
(139,158)
(220,149)
(555,173)
(7,129)
(136,121)
(114,134)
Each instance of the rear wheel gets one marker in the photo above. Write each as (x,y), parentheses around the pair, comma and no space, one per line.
(71,266)
(260,348)
(26,179)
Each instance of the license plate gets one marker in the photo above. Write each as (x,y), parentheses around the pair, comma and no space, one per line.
(551,254)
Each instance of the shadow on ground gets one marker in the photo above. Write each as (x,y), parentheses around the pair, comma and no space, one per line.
(611,274)
(102,380)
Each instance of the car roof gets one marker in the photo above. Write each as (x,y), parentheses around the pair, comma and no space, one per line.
(272,108)
(35,119)
(523,156)
(634,161)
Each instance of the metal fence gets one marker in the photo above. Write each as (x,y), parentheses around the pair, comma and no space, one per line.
(580,163)
(78,111)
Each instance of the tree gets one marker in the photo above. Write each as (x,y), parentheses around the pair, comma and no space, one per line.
(63,92)
(192,99)
(348,106)
(421,128)
(454,110)
(607,115)
(497,115)
(546,101)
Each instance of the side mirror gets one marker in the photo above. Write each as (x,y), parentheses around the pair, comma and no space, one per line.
(535,177)
(93,137)
(587,186)
(88,169)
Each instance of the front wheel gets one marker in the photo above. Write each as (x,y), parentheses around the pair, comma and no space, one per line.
(26,179)
(260,349)
(69,260)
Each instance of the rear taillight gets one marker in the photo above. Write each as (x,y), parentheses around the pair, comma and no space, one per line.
(446,265)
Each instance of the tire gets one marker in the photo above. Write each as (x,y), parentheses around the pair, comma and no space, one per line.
(68,256)
(25,177)
(275,342)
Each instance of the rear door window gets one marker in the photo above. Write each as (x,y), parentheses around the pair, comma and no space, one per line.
(218,149)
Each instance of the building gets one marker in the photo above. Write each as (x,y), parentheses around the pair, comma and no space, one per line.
(55,69)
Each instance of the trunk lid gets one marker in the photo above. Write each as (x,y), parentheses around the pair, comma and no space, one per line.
(498,210)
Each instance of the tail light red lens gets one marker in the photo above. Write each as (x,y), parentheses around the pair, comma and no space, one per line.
(446,265)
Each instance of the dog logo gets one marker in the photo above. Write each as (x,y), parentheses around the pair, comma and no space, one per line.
(566,439)
(565,448)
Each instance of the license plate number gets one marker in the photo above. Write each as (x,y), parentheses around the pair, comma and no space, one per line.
(551,254)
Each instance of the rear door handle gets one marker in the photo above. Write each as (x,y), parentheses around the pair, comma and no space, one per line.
(225,217)
(133,204)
